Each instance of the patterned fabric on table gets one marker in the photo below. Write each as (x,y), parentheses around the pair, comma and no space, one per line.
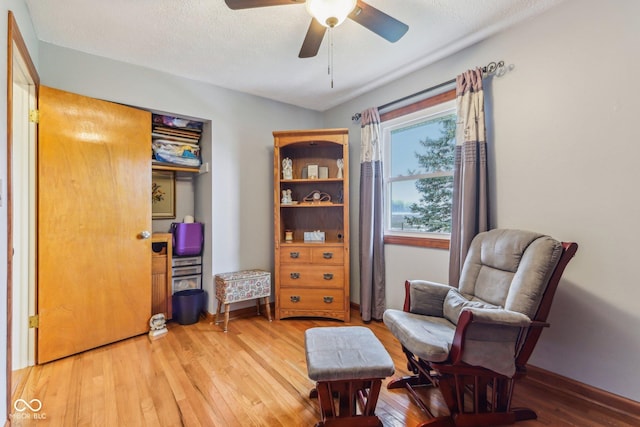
(242,285)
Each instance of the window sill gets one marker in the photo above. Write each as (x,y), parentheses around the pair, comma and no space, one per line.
(422,242)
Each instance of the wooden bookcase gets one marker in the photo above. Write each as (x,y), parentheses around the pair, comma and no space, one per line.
(312,277)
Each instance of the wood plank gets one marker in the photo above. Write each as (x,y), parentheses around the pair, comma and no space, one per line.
(253,375)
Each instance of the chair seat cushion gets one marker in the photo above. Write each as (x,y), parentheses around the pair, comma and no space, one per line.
(427,337)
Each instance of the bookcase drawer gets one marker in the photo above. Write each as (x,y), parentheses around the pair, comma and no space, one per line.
(295,255)
(328,255)
(311,299)
(312,276)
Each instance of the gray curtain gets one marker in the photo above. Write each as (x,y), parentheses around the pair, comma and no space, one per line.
(372,282)
(470,210)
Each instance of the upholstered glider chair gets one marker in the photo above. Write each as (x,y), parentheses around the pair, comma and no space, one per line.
(473,341)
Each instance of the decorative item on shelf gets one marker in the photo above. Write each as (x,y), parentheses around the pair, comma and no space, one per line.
(286,197)
(312,171)
(340,163)
(314,236)
(288,236)
(287,168)
(163,189)
(323,172)
(317,197)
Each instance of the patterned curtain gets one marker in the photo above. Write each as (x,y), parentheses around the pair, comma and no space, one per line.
(372,273)
(470,210)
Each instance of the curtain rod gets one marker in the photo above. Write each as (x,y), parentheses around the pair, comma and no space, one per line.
(487,70)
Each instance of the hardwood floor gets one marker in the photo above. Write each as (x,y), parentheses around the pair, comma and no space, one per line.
(254,375)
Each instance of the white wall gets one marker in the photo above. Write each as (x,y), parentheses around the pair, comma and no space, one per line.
(19,9)
(563,156)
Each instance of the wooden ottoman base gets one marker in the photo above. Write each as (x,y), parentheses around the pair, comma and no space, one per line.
(348,364)
(340,401)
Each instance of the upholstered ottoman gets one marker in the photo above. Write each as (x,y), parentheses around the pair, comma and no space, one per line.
(241,286)
(347,362)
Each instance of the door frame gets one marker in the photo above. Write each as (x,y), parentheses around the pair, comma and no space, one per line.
(17,56)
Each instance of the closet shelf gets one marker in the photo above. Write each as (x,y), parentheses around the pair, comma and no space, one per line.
(177,168)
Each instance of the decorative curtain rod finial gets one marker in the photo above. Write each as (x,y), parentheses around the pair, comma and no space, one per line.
(492,66)
(499,69)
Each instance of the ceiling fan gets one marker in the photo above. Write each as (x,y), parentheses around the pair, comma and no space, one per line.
(331,13)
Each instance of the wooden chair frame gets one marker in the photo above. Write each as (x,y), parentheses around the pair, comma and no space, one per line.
(477,396)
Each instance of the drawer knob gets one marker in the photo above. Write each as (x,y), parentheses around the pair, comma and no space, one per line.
(327,300)
(327,255)
(294,254)
(294,298)
(294,275)
(328,276)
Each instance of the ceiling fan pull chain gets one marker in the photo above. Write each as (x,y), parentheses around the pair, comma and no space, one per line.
(330,69)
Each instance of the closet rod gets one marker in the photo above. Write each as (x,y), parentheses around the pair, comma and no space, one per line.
(488,69)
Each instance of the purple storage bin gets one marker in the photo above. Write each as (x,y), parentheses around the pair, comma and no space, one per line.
(188,238)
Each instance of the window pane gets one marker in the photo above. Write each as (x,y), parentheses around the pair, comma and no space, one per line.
(423,147)
(422,205)
(419,161)
(402,195)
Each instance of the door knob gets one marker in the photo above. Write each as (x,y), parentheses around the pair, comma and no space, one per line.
(145,235)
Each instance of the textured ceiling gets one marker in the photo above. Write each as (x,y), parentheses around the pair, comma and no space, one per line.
(256,50)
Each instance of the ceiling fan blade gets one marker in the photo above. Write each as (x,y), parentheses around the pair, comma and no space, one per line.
(379,22)
(250,4)
(312,40)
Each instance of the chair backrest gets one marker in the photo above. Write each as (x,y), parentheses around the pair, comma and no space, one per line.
(520,271)
(510,268)
(530,340)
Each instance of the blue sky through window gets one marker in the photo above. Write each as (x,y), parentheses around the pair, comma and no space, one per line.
(405,142)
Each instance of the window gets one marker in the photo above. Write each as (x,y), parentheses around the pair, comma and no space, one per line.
(419,148)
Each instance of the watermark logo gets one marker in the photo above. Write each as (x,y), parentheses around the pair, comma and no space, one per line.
(28,409)
(21,405)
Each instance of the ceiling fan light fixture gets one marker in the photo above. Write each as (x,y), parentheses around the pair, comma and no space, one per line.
(330,13)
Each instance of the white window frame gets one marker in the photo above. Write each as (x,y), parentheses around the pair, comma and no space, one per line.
(386,127)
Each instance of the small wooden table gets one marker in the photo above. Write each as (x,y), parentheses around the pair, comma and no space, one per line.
(347,362)
(241,286)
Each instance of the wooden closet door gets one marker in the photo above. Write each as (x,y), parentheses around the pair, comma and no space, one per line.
(94,181)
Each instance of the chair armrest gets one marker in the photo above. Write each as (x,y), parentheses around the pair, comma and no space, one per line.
(499,317)
(424,297)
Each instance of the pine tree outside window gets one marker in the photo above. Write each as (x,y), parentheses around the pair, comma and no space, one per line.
(419,159)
